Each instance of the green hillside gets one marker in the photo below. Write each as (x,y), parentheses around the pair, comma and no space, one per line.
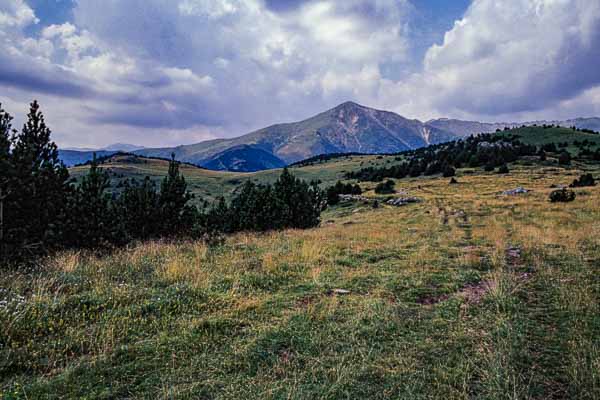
(209,185)
(539,136)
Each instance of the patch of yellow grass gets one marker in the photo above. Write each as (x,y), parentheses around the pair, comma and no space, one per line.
(182,268)
(67,261)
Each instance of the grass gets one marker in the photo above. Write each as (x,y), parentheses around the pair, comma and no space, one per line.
(469,294)
(539,136)
(209,185)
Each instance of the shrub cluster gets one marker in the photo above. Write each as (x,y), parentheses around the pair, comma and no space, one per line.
(386,187)
(334,192)
(289,203)
(564,158)
(562,196)
(583,181)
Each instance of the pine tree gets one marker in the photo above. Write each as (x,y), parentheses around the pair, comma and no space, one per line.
(175,214)
(41,187)
(138,209)
(219,218)
(448,171)
(245,208)
(6,176)
(91,218)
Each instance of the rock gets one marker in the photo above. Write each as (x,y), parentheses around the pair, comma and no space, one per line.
(353,197)
(402,201)
(514,192)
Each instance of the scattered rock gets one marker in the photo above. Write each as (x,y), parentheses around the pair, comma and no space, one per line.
(353,197)
(402,201)
(514,192)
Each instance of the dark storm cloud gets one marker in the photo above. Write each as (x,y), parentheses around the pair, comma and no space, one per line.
(29,76)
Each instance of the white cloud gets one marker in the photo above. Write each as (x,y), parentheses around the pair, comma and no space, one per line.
(16,14)
(158,70)
(517,56)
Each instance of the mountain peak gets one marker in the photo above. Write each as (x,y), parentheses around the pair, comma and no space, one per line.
(350,105)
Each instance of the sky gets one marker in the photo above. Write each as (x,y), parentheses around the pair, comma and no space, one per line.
(171,72)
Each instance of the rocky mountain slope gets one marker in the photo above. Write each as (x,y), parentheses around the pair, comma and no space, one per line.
(346,128)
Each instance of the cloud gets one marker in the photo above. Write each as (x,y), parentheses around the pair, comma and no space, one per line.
(158,71)
(16,14)
(258,63)
(518,56)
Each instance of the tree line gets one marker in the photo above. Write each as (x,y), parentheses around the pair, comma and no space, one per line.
(43,209)
(486,150)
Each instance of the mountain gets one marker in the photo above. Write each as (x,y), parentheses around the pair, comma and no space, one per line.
(124,147)
(71,156)
(583,123)
(75,157)
(243,158)
(466,128)
(347,128)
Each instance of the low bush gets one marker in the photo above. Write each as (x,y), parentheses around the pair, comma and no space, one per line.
(386,187)
(562,196)
(564,158)
(583,181)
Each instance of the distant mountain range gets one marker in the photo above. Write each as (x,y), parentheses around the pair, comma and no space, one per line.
(75,155)
(347,128)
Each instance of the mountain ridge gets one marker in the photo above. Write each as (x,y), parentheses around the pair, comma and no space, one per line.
(347,128)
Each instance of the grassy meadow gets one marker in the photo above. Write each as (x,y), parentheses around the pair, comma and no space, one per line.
(468,294)
(210,185)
